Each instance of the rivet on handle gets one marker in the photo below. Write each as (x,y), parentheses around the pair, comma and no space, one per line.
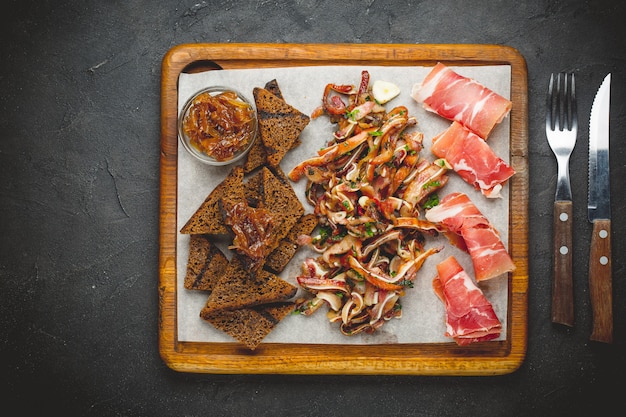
(603,235)
(563,249)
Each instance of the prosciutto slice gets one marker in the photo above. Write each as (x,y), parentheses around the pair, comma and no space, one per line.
(472,159)
(462,99)
(458,214)
(470,316)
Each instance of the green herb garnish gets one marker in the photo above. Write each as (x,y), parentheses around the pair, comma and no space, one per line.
(431,201)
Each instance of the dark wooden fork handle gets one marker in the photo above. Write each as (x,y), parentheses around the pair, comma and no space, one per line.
(562,285)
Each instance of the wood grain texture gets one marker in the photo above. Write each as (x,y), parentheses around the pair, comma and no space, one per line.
(493,358)
(562,283)
(601,282)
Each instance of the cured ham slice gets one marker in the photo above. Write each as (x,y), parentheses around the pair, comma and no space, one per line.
(462,99)
(470,316)
(472,159)
(458,214)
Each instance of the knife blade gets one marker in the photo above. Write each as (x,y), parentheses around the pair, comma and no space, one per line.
(599,213)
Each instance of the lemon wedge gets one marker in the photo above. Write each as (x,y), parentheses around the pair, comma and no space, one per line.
(383,91)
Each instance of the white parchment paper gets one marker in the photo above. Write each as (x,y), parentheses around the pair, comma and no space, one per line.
(422,318)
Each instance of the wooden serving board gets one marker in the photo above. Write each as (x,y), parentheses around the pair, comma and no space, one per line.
(491,358)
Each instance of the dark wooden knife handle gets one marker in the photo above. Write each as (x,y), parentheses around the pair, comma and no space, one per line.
(600,282)
(562,284)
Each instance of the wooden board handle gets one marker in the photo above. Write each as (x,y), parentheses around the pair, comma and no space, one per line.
(562,284)
(600,282)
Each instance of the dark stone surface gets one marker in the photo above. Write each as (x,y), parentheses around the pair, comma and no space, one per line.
(79,188)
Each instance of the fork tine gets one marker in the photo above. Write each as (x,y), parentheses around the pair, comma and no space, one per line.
(573,110)
(561,102)
(561,91)
(550,103)
(568,103)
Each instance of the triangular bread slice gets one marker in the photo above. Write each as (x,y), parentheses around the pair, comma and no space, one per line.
(280,124)
(238,288)
(256,157)
(208,218)
(205,264)
(287,248)
(281,199)
(253,188)
(250,325)
(273,87)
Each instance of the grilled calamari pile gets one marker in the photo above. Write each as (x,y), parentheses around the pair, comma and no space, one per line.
(368,187)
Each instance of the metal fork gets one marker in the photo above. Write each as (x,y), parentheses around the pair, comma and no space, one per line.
(561,130)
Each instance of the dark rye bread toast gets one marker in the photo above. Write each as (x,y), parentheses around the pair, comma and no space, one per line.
(252,190)
(247,304)
(253,187)
(205,264)
(257,156)
(287,248)
(207,219)
(281,199)
(238,288)
(270,189)
(249,326)
(272,87)
(280,124)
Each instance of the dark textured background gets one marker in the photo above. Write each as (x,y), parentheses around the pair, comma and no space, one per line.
(79,193)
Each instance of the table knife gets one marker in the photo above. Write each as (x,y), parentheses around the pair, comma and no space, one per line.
(599,213)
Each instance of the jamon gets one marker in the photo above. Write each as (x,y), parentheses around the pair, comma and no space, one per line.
(462,99)
(469,315)
(472,159)
(459,215)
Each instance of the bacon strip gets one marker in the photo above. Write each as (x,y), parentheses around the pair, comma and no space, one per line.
(470,316)
(461,99)
(472,159)
(459,215)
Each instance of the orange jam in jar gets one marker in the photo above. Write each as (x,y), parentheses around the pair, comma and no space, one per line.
(221,125)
